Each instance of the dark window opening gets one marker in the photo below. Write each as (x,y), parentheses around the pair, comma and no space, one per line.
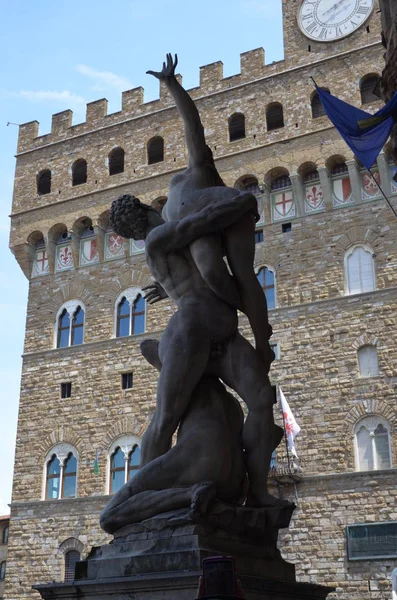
(78,327)
(286,227)
(3,570)
(71,558)
(126,381)
(371,541)
(116,161)
(44,182)
(5,535)
(134,459)
(117,470)
(66,389)
(236,127)
(317,107)
(274,117)
(155,150)
(69,477)
(79,172)
(367,89)
(258,236)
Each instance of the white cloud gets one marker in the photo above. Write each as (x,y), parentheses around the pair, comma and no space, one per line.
(105,79)
(51,96)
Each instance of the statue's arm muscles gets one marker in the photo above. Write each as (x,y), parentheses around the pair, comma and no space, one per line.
(175,235)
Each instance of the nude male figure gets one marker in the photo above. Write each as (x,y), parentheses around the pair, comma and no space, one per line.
(199,186)
(203,321)
(207,460)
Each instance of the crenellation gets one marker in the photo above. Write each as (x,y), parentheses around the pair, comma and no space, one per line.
(61,122)
(211,77)
(96,112)
(131,100)
(252,63)
(27,133)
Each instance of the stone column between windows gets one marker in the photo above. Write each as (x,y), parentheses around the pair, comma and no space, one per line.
(100,242)
(384,173)
(355,180)
(375,458)
(266,203)
(298,192)
(75,243)
(51,247)
(326,185)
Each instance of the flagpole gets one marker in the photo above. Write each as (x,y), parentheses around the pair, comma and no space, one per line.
(285,430)
(382,192)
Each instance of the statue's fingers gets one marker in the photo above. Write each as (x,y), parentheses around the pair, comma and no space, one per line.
(176,60)
(149,287)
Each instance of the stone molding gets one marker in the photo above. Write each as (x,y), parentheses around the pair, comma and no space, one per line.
(357,235)
(63,436)
(367,408)
(62,451)
(366,340)
(127,426)
(71,544)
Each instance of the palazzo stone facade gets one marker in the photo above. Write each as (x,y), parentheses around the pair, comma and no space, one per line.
(327,254)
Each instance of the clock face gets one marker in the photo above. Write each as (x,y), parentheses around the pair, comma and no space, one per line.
(330,20)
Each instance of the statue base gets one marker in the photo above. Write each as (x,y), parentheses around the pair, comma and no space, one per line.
(161,557)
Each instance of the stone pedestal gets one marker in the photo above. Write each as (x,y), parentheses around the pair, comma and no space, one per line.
(160,559)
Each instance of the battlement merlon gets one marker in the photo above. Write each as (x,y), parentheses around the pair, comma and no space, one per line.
(252,65)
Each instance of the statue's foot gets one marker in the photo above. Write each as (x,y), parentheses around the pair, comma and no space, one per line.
(266,501)
(202,496)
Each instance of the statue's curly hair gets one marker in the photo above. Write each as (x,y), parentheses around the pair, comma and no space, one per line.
(128,217)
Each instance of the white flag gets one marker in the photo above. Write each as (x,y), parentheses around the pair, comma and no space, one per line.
(291,426)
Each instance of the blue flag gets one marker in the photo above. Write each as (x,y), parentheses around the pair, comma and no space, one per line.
(365,134)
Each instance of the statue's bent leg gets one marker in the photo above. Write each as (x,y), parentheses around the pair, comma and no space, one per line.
(184,352)
(239,242)
(242,369)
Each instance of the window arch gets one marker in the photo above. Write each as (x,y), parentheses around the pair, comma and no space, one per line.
(124,460)
(79,172)
(155,150)
(236,127)
(360,270)
(3,570)
(61,472)
(116,161)
(70,324)
(372,444)
(368,361)
(266,278)
(71,558)
(130,313)
(274,116)
(316,105)
(367,87)
(5,535)
(44,182)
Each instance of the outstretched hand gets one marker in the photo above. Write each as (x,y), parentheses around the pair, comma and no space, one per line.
(154,293)
(168,69)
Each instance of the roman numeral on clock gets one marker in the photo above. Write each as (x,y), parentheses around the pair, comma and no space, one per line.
(323,33)
(311,27)
(363,10)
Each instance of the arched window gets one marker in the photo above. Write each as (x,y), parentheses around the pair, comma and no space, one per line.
(267,280)
(236,127)
(79,172)
(3,570)
(44,182)
(69,477)
(131,312)
(61,472)
(70,325)
(274,116)
(316,106)
(134,458)
(124,459)
(116,161)
(155,150)
(373,449)
(71,558)
(368,361)
(367,87)
(5,535)
(53,478)
(359,270)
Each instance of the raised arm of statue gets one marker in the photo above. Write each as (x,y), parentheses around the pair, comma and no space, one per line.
(198,150)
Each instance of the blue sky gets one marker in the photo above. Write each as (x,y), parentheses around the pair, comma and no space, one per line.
(59,55)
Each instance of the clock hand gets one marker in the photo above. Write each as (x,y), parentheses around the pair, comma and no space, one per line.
(338,13)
